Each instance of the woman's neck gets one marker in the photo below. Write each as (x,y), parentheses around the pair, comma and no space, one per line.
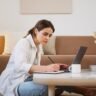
(36,41)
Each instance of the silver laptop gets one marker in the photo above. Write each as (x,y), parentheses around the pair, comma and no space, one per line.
(77,60)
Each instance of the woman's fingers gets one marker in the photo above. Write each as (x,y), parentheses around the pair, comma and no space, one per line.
(57,67)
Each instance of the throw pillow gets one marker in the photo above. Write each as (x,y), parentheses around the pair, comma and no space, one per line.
(49,48)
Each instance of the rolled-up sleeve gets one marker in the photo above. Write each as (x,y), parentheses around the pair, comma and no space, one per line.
(22,55)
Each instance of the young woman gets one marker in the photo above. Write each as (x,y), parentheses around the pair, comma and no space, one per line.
(16,79)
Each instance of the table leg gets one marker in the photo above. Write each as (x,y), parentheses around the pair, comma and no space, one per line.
(51,90)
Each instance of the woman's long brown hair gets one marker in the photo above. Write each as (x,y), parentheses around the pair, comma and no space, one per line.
(40,25)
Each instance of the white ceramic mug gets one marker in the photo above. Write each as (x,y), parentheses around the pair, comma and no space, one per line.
(93,67)
(76,68)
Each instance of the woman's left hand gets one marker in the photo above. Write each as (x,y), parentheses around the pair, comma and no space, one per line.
(63,66)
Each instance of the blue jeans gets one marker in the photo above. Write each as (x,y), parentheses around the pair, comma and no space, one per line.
(29,88)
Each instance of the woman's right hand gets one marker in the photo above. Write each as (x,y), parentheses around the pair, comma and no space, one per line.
(53,67)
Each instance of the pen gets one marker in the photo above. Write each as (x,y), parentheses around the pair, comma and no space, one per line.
(51,59)
(61,66)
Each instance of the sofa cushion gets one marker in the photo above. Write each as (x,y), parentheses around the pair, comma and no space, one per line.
(67,59)
(49,48)
(2,44)
(68,45)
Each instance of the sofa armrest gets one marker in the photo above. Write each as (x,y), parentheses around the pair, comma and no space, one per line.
(3,62)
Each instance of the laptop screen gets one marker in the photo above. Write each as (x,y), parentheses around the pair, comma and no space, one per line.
(79,55)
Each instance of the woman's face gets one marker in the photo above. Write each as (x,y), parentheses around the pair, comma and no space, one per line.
(44,35)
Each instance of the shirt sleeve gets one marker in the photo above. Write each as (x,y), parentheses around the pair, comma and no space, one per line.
(21,56)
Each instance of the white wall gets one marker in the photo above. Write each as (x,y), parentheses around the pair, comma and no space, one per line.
(82,21)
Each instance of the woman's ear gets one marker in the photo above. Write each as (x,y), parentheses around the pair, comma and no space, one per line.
(36,31)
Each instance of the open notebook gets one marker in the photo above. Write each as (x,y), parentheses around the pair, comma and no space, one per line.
(77,60)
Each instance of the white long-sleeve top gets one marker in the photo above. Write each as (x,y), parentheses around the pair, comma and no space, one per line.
(20,62)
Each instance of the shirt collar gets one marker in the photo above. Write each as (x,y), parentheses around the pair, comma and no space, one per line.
(32,43)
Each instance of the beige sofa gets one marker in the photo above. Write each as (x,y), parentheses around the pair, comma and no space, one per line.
(64,50)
